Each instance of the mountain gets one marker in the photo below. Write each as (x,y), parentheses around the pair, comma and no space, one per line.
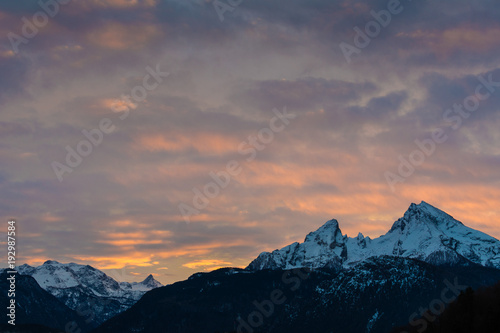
(94,295)
(328,283)
(375,296)
(424,232)
(27,328)
(144,286)
(474,311)
(36,306)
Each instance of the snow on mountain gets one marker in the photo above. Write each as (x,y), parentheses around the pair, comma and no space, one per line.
(88,290)
(144,286)
(424,232)
(54,275)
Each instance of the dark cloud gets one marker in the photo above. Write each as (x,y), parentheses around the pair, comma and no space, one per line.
(303,94)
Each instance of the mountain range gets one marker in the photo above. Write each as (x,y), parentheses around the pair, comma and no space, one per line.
(328,283)
(424,233)
(94,295)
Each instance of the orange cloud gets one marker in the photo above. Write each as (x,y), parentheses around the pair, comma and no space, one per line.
(121,223)
(203,249)
(463,38)
(48,217)
(128,242)
(208,264)
(85,6)
(117,105)
(117,262)
(33,260)
(125,235)
(117,36)
(124,3)
(202,142)
(7,54)
(470,39)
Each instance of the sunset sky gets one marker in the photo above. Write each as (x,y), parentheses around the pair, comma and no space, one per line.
(347,121)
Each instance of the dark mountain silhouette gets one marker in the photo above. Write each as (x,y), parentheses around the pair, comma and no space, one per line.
(474,311)
(28,328)
(379,294)
(36,306)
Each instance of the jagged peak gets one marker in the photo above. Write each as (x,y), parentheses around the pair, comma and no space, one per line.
(51,262)
(330,230)
(424,232)
(435,211)
(150,281)
(330,225)
(149,278)
(427,208)
(423,213)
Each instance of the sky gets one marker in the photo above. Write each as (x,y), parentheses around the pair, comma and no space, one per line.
(172,137)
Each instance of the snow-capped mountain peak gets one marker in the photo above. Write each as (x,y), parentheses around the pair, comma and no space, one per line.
(425,214)
(54,275)
(146,285)
(323,247)
(429,234)
(76,284)
(329,234)
(150,281)
(424,232)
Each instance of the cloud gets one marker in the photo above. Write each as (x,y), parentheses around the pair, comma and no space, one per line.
(120,37)
(119,207)
(300,94)
(207,264)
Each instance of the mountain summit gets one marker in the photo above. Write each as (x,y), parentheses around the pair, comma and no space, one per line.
(424,232)
(88,290)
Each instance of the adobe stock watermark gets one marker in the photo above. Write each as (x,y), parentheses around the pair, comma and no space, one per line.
(95,136)
(221,179)
(372,29)
(436,306)
(223,6)
(11,271)
(454,116)
(39,20)
(266,308)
